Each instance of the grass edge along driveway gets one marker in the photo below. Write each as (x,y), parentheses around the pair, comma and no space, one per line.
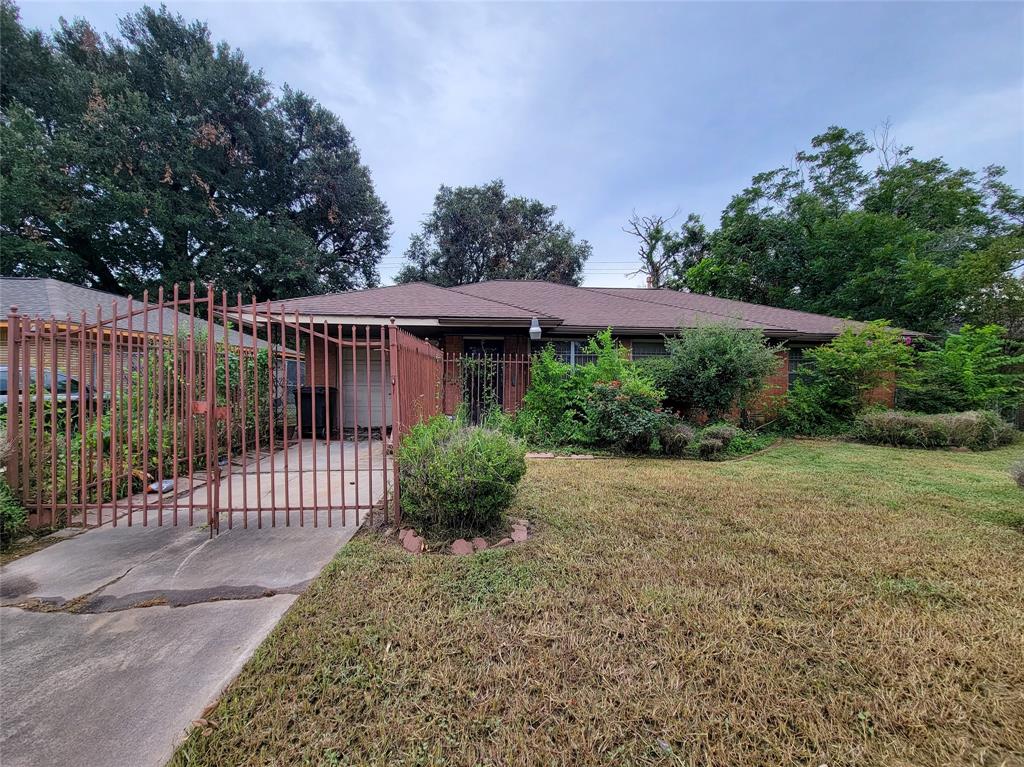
(821,603)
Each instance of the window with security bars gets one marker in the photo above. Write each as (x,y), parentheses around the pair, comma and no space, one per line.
(573,351)
(642,349)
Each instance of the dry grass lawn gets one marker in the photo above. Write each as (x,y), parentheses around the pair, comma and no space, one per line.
(820,603)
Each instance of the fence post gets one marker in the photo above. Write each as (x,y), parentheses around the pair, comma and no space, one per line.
(13,396)
(212,443)
(396,420)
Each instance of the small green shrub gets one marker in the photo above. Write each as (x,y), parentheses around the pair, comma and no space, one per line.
(723,432)
(711,368)
(710,448)
(974,429)
(624,416)
(13,519)
(458,479)
(675,438)
(1017,474)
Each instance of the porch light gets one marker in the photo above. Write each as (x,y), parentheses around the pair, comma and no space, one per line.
(534,330)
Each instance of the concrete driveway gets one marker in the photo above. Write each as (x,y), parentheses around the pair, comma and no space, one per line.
(114,640)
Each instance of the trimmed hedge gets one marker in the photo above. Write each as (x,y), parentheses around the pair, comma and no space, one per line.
(974,429)
(458,479)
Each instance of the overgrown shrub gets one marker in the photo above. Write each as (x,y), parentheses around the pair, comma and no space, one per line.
(552,412)
(710,448)
(1017,474)
(712,368)
(974,369)
(835,378)
(974,429)
(723,432)
(560,408)
(624,415)
(675,438)
(458,479)
(13,519)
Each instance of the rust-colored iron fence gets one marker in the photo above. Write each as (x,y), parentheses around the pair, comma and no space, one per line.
(418,372)
(197,409)
(478,384)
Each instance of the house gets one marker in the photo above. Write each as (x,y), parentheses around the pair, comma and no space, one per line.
(492,321)
(70,307)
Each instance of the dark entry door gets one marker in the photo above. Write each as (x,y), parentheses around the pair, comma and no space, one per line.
(482,376)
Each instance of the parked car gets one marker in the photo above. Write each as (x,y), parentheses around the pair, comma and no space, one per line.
(79,392)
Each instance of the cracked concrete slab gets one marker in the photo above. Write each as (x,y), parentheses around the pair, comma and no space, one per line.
(128,633)
(119,688)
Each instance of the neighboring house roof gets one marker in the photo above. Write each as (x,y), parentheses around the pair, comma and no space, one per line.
(45,297)
(563,309)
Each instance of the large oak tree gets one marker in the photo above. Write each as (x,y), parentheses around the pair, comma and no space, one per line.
(158,156)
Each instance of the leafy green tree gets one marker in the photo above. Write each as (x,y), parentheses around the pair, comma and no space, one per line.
(920,242)
(157,156)
(477,233)
(835,378)
(973,369)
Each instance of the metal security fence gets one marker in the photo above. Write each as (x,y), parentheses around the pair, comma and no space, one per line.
(481,383)
(197,409)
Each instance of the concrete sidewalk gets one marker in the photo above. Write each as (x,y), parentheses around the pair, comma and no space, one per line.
(113,641)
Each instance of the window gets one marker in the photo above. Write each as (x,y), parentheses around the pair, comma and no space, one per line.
(573,351)
(796,360)
(643,349)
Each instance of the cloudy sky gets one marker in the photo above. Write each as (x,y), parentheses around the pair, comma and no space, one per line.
(606,108)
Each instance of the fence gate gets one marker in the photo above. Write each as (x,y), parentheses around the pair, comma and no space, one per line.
(196,410)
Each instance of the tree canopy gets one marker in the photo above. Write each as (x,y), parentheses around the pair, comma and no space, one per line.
(477,233)
(918,242)
(158,156)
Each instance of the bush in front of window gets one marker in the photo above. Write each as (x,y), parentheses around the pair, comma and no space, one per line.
(624,415)
(711,368)
(457,479)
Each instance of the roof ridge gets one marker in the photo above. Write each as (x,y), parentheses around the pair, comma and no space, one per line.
(704,311)
(735,301)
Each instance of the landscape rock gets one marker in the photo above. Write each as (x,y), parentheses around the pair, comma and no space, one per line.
(479,544)
(505,542)
(540,455)
(519,534)
(404,532)
(413,543)
(461,547)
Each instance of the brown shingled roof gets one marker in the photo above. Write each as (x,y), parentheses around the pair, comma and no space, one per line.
(564,309)
(412,300)
(771,317)
(586,310)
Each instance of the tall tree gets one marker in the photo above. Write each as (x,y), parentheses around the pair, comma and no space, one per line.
(477,233)
(915,241)
(157,156)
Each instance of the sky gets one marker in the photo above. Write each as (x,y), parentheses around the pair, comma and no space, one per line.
(608,108)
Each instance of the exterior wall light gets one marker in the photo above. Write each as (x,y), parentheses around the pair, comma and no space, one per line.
(534,330)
